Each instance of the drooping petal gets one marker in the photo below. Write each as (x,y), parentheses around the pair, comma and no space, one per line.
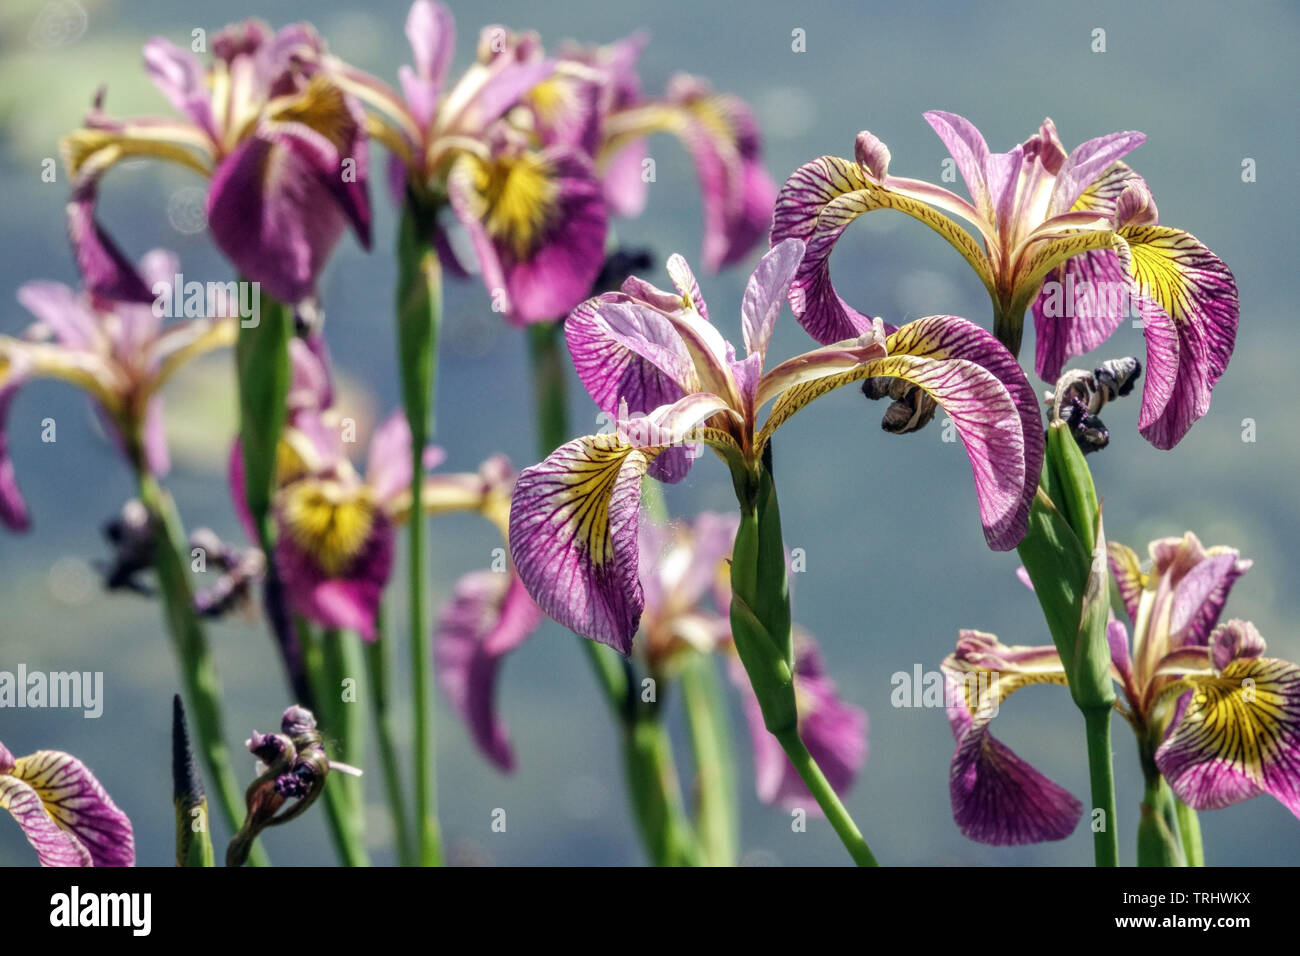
(538,223)
(13,509)
(997,798)
(78,804)
(816,204)
(105,269)
(280,201)
(766,291)
(983,390)
(722,136)
(489,615)
(1187,298)
(1237,734)
(54,846)
(1081,304)
(573,536)
(334,553)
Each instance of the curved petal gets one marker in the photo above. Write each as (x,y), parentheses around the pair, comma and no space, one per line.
(1127,570)
(722,136)
(997,798)
(54,846)
(388,462)
(13,509)
(624,351)
(1232,740)
(1187,298)
(105,269)
(489,614)
(538,223)
(63,312)
(1080,305)
(573,536)
(78,803)
(982,388)
(816,204)
(271,217)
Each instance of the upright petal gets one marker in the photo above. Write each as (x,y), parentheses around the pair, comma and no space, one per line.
(766,291)
(997,798)
(388,463)
(105,269)
(968,149)
(62,311)
(78,803)
(180,77)
(489,615)
(1086,164)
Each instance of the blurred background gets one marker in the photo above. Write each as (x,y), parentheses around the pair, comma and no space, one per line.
(896,561)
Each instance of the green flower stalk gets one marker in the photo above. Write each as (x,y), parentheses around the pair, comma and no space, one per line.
(193,841)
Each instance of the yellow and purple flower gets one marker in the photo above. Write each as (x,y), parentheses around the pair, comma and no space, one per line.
(1076,235)
(119,352)
(1215,717)
(574,520)
(283,146)
(65,813)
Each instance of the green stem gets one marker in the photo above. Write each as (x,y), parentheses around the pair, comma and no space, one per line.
(652,781)
(198,667)
(419,310)
(341,659)
(1189,828)
(762,633)
(1157,841)
(716,799)
(826,798)
(378,653)
(1101,774)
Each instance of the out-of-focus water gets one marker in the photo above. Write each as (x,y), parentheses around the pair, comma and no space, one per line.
(896,562)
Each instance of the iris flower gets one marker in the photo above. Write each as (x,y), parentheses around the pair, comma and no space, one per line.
(119,352)
(1084,223)
(285,151)
(65,813)
(336,526)
(1213,716)
(532,151)
(573,523)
